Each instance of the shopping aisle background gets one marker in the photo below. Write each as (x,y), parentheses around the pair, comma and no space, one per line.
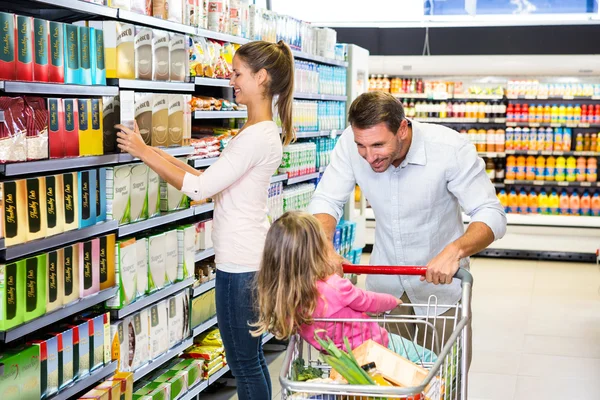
(536,332)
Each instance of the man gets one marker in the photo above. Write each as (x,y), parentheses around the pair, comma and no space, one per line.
(417,178)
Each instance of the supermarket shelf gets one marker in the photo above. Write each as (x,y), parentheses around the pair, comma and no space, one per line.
(203,255)
(151,299)
(139,84)
(552,153)
(55,316)
(316,96)
(267,338)
(303,178)
(195,391)
(218,375)
(82,6)
(553,97)
(552,125)
(200,329)
(279,178)
(58,89)
(220,114)
(562,221)
(221,36)
(499,185)
(552,183)
(164,219)
(463,120)
(157,363)
(60,240)
(83,384)
(205,287)
(211,82)
(153,22)
(490,154)
(59,164)
(445,96)
(470,96)
(202,162)
(174,151)
(204,208)
(319,59)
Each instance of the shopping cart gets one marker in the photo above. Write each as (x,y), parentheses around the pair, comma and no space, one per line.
(446,370)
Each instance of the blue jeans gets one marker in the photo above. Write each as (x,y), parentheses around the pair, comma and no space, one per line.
(235,310)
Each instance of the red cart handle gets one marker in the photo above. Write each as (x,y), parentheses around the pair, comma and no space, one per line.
(461,274)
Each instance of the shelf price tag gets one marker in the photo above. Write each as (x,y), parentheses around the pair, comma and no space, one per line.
(530,97)
(568,98)
(558,153)
(484,120)
(511,124)
(542,97)
(532,153)
(572,125)
(546,153)
(584,125)
(586,184)
(440,96)
(595,97)
(509,182)
(562,183)
(500,120)
(538,183)
(534,124)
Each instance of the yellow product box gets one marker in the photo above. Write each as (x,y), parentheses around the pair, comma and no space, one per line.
(55,208)
(55,290)
(71,273)
(107,261)
(14,212)
(86,145)
(97,128)
(36,210)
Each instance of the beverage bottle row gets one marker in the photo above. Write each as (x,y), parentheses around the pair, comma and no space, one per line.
(407,86)
(315,78)
(331,115)
(305,115)
(379,83)
(455,109)
(325,147)
(535,88)
(495,169)
(532,202)
(299,159)
(275,200)
(297,197)
(587,142)
(539,139)
(558,169)
(306,77)
(555,114)
(490,140)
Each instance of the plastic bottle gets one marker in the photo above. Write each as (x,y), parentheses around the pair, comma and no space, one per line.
(558,139)
(525,139)
(543,203)
(540,168)
(510,113)
(490,140)
(521,168)
(549,142)
(511,167)
(533,139)
(550,170)
(541,139)
(532,202)
(554,114)
(513,202)
(569,114)
(481,140)
(579,142)
(587,142)
(500,140)
(561,166)
(585,203)
(594,142)
(595,208)
(371,369)
(522,201)
(580,170)
(524,113)
(567,137)
(577,113)
(574,204)
(562,114)
(584,113)
(571,169)
(518,139)
(530,173)
(547,114)
(564,203)
(532,114)
(591,171)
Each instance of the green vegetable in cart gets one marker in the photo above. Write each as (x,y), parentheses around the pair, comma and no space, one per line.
(301,373)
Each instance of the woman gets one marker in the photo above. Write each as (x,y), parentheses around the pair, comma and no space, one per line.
(239,183)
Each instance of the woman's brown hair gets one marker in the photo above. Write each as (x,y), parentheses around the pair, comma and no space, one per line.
(295,257)
(278,61)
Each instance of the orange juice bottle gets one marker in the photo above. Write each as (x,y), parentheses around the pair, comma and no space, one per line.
(522,202)
(532,202)
(553,203)
(561,169)
(543,202)
(513,202)
(540,168)
(580,170)
(564,203)
(595,205)
(511,167)
(571,169)
(547,114)
(585,203)
(591,171)
(530,169)
(503,198)
(574,204)
(521,168)
(550,168)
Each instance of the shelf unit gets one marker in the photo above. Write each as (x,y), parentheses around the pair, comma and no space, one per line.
(279,178)
(491,154)
(202,162)
(551,153)
(220,114)
(325,133)
(463,120)
(319,59)
(86,382)
(317,96)
(203,288)
(536,98)
(212,82)
(551,183)
(139,84)
(303,178)
(559,221)
(147,20)
(204,254)
(445,96)
(57,315)
(82,7)
(57,89)
(552,125)
(161,360)
(167,218)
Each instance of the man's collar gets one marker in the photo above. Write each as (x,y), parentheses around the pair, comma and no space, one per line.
(416,153)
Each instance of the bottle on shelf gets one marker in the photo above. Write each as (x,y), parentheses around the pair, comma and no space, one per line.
(574,204)
(580,170)
(540,168)
(532,114)
(547,114)
(577,113)
(584,113)
(543,203)
(522,202)
(564,203)
(558,139)
(594,142)
(567,139)
(595,207)
(500,169)
(513,201)
(509,139)
(500,137)
(533,136)
(579,142)
(585,203)
(541,139)
(554,118)
(511,168)
(549,140)
(571,169)
(510,113)
(591,171)
(525,138)
(518,139)
(560,172)
(521,168)
(587,142)
(530,168)
(532,202)
(550,170)
(503,198)
(524,113)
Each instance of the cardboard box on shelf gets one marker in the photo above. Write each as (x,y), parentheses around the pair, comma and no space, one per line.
(142,266)
(20,377)
(55,280)
(177,123)
(35,287)
(126,380)
(143,53)
(178,317)
(101,195)
(186,251)
(71,273)
(36,211)
(71,135)
(139,328)
(107,261)
(85,51)
(41,29)
(159,329)
(14,212)
(48,349)
(82,353)
(12,294)
(153,194)
(56,128)
(111,117)
(66,365)
(98,58)
(118,184)
(8,70)
(89,267)
(87,197)
(143,115)
(171,257)
(172,199)
(113,387)
(138,192)
(24,57)
(160,55)
(125,266)
(72,54)
(203,308)
(71,200)
(178,381)
(96,147)
(56,68)
(193,368)
(86,143)
(179,57)
(156,262)
(55,208)
(160,120)
(120,344)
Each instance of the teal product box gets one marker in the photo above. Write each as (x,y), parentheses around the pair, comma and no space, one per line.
(72,54)
(101,195)
(82,331)
(97,52)
(65,358)
(87,198)
(85,55)
(48,348)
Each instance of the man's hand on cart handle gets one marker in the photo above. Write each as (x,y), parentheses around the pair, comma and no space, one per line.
(442,268)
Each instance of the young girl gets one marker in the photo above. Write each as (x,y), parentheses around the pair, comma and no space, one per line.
(239,183)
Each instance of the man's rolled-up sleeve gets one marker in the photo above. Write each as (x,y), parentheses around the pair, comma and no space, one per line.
(475,192)
(337,183)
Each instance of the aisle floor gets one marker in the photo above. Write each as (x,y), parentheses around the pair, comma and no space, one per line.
(536,332)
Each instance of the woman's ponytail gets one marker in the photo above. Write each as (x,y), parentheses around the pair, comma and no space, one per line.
(286,98)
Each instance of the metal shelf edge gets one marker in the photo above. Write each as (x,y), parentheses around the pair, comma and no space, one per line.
(220,114)
(203,327)
(319,59)
(203,255)
(126,230)
(278,178)
(58,89)
(200,81)
(158,362)
(202,162)
(59,164)
(84,383)
(195,391)
(204,208)
(217,375)
(154,22)
(152,85)
(267,338)
(221,36)
(205,287)
(303,178)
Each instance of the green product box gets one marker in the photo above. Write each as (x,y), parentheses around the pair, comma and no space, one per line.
(125,267)
(157,254)
(193,368)
(157,390)
(12,294)
(66,365)
(35,287)
(186,236)
(20,375)
(84,357)
(48,348)
(178,381)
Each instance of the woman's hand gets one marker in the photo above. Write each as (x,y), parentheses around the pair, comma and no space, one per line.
(131,141)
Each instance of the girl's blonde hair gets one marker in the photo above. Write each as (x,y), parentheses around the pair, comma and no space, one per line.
(277,59)
(295,257)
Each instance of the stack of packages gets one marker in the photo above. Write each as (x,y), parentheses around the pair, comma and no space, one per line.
(119,386)
(207,103)
(208,347)
(171,383)
(209,142)
(211,59)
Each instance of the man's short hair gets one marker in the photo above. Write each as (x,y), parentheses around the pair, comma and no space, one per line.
(372,108)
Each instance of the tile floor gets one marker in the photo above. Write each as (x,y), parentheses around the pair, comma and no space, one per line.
(536,332)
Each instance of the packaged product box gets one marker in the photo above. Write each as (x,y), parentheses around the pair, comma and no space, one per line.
(171,199)
(143,7)
(89,267)
(138,192)
(143,115)
(98,58)
(20,377)
(97,394)
(72,54)
(114,388)
(139,327)
(85,58)
(127,101)
(153,194)
(71,135)
(100,195)
(48,349)
(12,294)
(175,11)
(36,114)
(178,381)
(55,219)
(56,128)
(205,235)
(8,70)
(156,391)
(192,13)
(171,257)
(157,253)
(126,380)
(143,53)
(96,127)
(97,338)
(71,273)
(36,210)
(122,4)
(179,57)
(160,55)
(35,287)
(87,197)
(160,120)
(84,357)
(159,329)
(125,51)
(203,308)
(86,143)
(177,123)
(55,280)
(125,266)
(107,349)
(118,183)
(186,250)
(56,55)
(160,9)
(119,345)
(107,261)
(179,318)
(71,200)
(24,64)
(14,212)
(66,368)
(192,367)
(142,266)
(110,117)
(41,38)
